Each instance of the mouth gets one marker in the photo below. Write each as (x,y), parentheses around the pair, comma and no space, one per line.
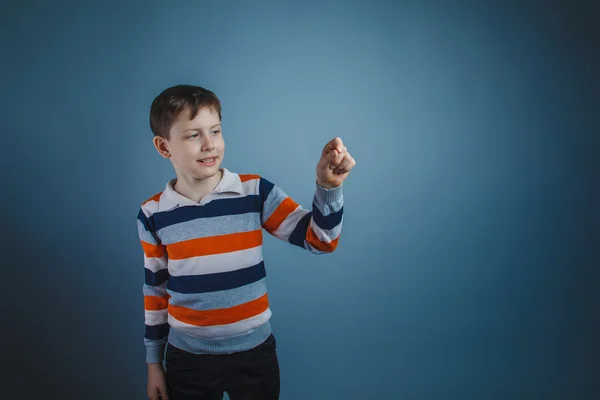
(208,161)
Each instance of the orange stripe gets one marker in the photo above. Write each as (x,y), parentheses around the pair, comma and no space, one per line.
(156,303)
(156,197)
(215,245)
(247,177)
(152,250)
(282,211)
(220,316)
(314,241)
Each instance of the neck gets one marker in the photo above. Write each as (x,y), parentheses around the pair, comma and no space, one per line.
(195,189)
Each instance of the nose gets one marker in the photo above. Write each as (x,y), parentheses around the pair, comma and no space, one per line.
(207,143)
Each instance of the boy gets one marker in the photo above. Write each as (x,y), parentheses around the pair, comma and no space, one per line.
(205,295)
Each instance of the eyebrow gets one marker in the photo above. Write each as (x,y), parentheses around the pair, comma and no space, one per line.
(197,129)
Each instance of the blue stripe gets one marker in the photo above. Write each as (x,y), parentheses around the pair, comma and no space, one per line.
(299,234)
(264,189)
(142,218)
(328,222)
(156,332)
(156,278)
(207,227)
(227,345)
(272,202)
(215,208)
(159,291)
(145,235)
(219,281)
(222,298)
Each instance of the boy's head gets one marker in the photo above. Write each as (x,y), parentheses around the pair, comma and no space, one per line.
(186,122)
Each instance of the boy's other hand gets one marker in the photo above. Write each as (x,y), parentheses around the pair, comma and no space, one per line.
(157,383)
(335,164)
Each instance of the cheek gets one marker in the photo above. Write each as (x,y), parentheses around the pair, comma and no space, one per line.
(191,150)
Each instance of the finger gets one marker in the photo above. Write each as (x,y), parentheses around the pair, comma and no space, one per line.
(343,164)
(325,161)
(334,144)
(164,393)
(331,160)
(340,166)
(348,167)
(336,159)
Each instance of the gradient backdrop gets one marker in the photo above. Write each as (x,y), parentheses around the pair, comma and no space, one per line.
(468,264)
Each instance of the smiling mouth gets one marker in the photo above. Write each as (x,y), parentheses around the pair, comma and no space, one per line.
(208,160)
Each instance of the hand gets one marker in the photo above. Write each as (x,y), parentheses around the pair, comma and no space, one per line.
(335,164)
(157,382)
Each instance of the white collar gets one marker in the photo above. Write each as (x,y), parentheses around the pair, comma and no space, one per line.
(230,182)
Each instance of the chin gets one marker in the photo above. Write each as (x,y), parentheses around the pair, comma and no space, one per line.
(207,172)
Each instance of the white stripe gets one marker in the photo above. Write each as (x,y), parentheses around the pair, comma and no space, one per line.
(326,235)
(221,331)
(150,207)
(155,317)
(250,187)
(155,264)
(289,223)
(215,263)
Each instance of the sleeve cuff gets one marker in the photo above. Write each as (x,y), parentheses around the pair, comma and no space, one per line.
(328,196)
(155,354)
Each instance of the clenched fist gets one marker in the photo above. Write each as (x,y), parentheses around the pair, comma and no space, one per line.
(335,164)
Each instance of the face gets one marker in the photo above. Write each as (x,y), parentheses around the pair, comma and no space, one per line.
(193,141)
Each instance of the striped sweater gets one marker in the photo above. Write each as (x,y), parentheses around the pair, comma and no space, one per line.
(205,281)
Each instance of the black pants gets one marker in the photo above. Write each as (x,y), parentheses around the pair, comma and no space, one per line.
(247,375)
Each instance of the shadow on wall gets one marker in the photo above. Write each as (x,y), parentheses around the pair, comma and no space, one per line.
(61,333)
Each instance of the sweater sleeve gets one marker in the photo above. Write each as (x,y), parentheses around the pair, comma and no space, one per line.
(317,230)
(156,298)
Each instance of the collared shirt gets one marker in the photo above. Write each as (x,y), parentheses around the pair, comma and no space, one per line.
(205,280)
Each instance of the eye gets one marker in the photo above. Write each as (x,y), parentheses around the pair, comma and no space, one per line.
(195,135)
(216,132)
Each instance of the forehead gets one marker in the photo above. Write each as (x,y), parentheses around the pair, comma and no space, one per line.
(205,119)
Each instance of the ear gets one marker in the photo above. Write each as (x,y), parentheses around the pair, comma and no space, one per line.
(162,146)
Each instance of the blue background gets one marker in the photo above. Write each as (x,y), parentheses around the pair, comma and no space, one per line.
(468,263)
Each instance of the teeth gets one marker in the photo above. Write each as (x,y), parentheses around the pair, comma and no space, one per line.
(209,160)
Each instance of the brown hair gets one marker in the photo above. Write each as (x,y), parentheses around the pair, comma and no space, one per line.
(172,101)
